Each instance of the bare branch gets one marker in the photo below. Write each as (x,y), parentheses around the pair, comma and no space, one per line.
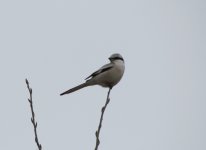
(97,133)
(33,116)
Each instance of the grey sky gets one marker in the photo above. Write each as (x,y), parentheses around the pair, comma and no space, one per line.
(160,104)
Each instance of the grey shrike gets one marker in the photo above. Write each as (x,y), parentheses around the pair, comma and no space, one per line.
(107,76)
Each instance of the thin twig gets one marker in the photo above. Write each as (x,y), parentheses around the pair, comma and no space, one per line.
(101,119)
(33,116)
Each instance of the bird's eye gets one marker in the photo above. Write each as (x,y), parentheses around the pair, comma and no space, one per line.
(118,58)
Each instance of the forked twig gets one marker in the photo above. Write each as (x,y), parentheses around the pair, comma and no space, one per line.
(33,116)
(97,133)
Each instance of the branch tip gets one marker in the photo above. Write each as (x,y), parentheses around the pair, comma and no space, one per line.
(33,116)
(27,82)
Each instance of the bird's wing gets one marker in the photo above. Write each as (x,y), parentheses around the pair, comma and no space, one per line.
(102,69)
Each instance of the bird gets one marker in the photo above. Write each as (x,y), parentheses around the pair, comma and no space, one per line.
(107,76)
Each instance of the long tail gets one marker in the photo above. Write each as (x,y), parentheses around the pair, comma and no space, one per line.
(75,88)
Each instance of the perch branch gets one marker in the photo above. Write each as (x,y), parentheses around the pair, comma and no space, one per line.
(97,133)
(33,116)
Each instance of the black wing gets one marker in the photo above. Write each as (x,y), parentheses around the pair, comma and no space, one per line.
(102,69)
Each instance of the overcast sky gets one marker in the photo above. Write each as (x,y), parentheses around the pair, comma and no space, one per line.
(160,104)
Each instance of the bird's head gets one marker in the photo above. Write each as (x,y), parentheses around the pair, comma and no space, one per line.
(116,56)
